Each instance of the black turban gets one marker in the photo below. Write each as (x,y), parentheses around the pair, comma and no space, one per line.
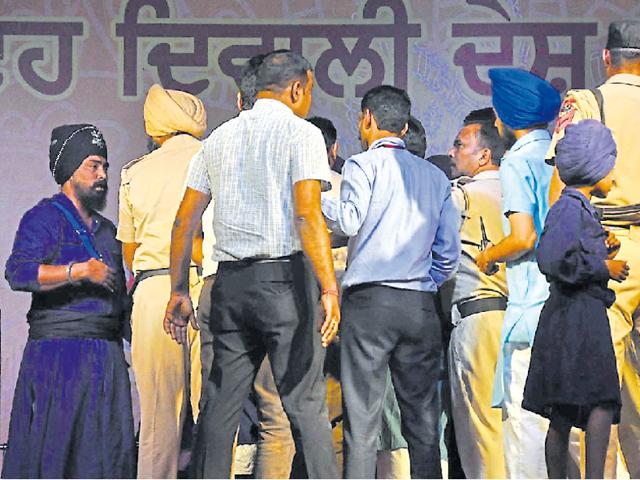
(70,145)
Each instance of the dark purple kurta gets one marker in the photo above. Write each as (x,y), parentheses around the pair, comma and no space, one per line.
(71,414)
(573,366)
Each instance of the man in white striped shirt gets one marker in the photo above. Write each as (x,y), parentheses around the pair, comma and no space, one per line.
(263,170)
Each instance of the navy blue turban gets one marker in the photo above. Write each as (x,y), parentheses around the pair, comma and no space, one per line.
(586,154)
(523,99)
(70,145)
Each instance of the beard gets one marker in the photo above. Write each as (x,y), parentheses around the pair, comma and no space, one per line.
(94,197)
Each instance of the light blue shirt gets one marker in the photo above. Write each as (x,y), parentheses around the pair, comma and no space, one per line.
(398,211)
(525,180)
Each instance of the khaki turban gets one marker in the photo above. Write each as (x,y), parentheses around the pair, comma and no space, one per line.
(172,111)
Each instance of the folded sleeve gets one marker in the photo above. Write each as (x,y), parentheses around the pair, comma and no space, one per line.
(518,194)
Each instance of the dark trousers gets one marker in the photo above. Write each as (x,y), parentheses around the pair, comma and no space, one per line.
(257,309)
(380,326)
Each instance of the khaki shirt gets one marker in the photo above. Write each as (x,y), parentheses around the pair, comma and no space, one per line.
(621,94)
(151,190)
(477,197)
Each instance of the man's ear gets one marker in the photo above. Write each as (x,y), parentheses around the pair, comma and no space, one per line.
(404,130)
(296,92)
(485,158)
(239,102)
(367,118)
(333,153)
(606,57)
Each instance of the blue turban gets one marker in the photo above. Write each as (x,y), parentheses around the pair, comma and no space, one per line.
(586,154)
(523,99)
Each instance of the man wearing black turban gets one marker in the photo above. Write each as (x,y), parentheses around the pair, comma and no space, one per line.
(616,103)
(71,414)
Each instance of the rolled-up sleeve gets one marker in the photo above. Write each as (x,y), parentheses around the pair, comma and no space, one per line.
(33,246)
(446,246)
(517,183)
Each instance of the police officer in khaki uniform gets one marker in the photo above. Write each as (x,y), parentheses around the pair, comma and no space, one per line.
(479,300)
(150,192)
(617,104)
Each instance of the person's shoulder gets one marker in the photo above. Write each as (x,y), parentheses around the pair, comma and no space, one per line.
(134,164)
(42,213)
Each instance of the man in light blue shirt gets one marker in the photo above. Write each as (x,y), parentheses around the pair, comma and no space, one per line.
(524,104)
(404,243)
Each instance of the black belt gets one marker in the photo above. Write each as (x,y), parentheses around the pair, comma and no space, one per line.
(144,274)
(490,304)
(629,214)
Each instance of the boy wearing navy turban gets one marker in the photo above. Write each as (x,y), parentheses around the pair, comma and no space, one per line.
(524,105)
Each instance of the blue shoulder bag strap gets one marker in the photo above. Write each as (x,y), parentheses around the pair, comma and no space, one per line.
(80,230)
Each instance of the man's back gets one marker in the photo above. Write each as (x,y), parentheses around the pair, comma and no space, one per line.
(252,163)
(150,193)
(410,200)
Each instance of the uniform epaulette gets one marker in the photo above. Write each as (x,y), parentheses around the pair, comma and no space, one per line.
(461,181)
(133,162)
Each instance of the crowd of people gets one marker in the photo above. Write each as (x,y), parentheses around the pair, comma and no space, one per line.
(336,293)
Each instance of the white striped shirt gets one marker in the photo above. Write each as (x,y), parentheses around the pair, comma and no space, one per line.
(249,166)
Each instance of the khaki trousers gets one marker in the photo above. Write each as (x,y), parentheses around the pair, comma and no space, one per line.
(524,432)
(165,372)
(627,347)
(473,354)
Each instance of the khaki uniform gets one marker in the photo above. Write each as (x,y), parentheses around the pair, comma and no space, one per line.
(475,339)
(150,192)
(621,104)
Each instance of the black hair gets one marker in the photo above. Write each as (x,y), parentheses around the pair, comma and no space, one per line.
(390,106)
(481,115)
(416,138)
(279,68)
(620,56)
(488,136)
(328,130)
(247,81)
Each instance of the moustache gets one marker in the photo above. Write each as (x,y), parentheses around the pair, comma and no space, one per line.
(100,184)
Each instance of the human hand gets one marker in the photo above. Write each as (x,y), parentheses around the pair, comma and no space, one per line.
(484,262)
(177,317)
(96,272)
(331,322)
(613,245)
(618,270)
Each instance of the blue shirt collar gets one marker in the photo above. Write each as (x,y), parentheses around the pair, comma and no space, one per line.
(533,136)
(394,141)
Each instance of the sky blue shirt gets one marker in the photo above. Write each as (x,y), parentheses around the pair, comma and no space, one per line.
(398,211)
(525,180)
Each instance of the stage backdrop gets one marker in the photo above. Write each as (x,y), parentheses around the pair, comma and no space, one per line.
(92,61)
